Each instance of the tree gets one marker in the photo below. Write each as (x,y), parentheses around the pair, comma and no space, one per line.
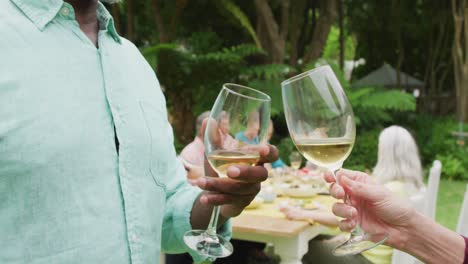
(460,56)
(328,14)
(304,24)
(414,36)
(272,35)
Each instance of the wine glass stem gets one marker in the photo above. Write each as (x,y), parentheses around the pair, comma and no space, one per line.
(357,231)
(213,225)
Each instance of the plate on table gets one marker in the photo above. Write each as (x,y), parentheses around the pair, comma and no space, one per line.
(301,191)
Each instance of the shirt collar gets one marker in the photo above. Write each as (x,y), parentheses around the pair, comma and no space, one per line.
(106,21)
(42,12)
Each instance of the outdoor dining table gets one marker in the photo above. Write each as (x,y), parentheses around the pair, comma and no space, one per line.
(268,225)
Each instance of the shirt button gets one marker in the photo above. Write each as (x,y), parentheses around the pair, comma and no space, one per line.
(65,11)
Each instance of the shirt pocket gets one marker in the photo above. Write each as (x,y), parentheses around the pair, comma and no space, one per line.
(161,142)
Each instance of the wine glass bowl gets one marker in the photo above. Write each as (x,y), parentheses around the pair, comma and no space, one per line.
(234,134)
(321,124)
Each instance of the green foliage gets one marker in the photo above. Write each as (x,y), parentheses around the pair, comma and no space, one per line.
(267,71)
(194,71)
(204,42)
(452,167)
(332,47)
(389,100)
(364,155)
(267,78)
(242,20)
(285,147)
(435,141)
(373,105)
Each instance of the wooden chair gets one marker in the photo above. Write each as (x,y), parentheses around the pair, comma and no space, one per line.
(462,226)
(432,189)
(424,202)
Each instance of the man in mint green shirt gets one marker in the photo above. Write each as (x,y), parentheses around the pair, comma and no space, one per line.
(88,171)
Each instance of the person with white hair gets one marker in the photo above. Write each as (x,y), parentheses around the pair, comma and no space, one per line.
(398,164)
(88,168)
(399,169)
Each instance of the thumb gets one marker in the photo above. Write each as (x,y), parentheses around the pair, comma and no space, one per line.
(365,191)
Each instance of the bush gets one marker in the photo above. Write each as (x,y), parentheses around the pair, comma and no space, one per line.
(364,155)
(435,141)
(452,167)
(285,147)
(432,134)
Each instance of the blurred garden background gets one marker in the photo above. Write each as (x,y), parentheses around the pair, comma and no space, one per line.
(401,62)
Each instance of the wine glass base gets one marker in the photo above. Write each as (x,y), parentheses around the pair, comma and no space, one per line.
(208,245)
(358,244)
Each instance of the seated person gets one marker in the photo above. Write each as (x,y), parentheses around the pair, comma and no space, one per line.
(228,141)
(194,153)
(399,169)
(278,163)
(250,135)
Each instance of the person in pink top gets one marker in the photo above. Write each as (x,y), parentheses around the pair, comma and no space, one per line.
(193,154)
(227,140)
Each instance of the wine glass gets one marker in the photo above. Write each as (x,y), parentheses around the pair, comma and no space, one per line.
(295,159)
(237,126)
(321,124)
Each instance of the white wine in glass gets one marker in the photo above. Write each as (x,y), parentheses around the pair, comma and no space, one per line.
(325,152)
(321,124)
(221,160)
(237,126)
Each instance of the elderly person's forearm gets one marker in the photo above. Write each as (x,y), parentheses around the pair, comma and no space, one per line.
(431,242)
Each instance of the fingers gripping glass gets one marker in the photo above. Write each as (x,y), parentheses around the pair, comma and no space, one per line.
(321,124)
(237,125)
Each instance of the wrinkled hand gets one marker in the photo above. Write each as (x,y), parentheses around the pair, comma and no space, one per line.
(378,210)
(241,186)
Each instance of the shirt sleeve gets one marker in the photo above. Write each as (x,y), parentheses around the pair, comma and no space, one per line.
(180,199)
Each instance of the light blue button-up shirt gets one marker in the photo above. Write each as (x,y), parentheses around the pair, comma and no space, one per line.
(66,194)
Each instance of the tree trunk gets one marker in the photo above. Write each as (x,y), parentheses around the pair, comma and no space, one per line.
(328,14)
(296,21)
(116,15)
(460,57)
(158,21)
(274,40)
(342,34)
(130,20)
(400,51)
(183,119)
(180,6)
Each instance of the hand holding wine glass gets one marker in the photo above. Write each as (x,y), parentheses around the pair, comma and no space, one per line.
(408,230)
(321,123)
(232,152)
(386,212)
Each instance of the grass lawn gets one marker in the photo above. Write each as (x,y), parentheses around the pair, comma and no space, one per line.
(449,202)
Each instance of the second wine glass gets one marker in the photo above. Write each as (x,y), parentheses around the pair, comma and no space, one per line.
(236,128)
(321,124)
